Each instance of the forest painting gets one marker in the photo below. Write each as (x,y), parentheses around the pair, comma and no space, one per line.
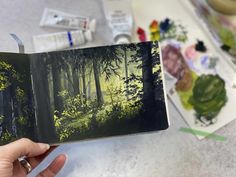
(16,98)
(98,92)
(81,94)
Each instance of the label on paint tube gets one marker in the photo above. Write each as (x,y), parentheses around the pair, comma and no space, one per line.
(58,19)
(61,40)
(119,17)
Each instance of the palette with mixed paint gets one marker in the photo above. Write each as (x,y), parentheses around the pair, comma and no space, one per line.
(204,91)
(198,80)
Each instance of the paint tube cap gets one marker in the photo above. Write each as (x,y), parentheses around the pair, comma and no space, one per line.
(122,40)
(93,25)
(88,36)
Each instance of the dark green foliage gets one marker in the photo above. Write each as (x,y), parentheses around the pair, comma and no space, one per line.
(85,118)
(80,94)
(209,96)
(16,109)
(120,109)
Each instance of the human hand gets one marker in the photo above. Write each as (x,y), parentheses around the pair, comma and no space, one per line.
(34,152)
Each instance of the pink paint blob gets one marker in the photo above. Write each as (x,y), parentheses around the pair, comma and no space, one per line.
(190,53)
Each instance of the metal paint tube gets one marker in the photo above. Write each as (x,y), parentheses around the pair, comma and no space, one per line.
(120,20)
(58,19)
(61,40)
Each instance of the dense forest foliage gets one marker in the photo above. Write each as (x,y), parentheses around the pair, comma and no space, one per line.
(83,93)
(98,92)
(16,106)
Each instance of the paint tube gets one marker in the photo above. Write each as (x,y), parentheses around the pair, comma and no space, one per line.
(58,19)
(61,40)
(119,17)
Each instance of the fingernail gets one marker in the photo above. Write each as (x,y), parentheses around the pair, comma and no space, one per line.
(44,146)
(65,156)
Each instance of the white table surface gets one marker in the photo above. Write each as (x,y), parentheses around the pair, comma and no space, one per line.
(169,153)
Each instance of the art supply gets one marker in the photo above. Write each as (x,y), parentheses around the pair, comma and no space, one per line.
(174,62)
(190,53)
(19,43)
(58,19)
(154,31)
(61,40)
(219,19)
(52,105)
(208,98)
(141,34)
(169,29)
(119,18)
(203,134)
(200,46)
(225,7)
(165,25)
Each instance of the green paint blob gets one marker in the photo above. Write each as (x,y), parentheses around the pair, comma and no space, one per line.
(209,96)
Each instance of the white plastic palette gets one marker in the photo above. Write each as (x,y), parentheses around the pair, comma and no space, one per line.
(183,12)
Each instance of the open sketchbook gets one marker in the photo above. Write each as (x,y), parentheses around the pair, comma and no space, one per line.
(72,95)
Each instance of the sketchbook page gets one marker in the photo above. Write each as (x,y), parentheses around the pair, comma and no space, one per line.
(98,92)
(17,118)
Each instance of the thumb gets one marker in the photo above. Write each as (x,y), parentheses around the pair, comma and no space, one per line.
(23,147)
(53,169)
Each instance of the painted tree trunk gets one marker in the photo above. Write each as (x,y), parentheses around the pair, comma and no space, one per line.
(57,86)
(15,113)
(97,83)
(44,120)
(76,82)
(148,99)
(126,73)
(1,103)
(148,80)
(65,81)
(7,110)
(89,85)
(84,81)
(69,79)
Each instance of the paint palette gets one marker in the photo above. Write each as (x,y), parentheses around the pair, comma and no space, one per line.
(186,66)
(204,92)
(198,78)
